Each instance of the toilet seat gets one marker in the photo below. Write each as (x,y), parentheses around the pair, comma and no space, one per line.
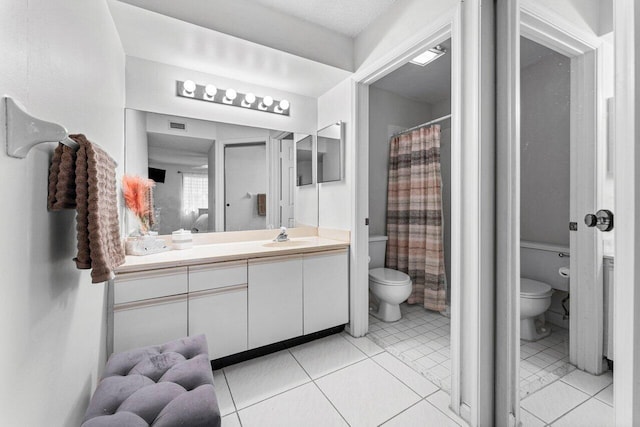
(388,277)
(534,289)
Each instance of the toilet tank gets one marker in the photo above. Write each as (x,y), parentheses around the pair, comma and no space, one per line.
(377,251)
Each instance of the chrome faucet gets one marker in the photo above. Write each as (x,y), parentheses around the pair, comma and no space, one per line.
(283,236)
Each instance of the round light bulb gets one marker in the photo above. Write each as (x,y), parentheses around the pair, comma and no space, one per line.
(231,94)
(249,98)
(210,90)
(267,101)
(189,86)
(284,105)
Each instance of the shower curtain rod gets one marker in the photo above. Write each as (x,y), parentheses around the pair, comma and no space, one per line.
(439,119)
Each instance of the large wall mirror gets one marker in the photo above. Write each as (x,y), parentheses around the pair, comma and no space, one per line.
(329,156)
(212,176)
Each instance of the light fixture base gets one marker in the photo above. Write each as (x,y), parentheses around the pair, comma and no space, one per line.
(239,101)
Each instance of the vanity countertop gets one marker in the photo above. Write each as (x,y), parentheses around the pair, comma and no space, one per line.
(218,252)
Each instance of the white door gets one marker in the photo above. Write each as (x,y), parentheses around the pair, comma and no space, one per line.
(245,177)
(287,182)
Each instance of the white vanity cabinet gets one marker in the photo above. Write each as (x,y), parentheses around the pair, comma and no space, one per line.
(149,308)
(275,299)
(238,305)
(218,306)
(325,290)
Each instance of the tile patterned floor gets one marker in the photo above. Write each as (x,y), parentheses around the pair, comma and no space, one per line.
(345,381)
(334,381)
(544,361)
(421,338)
(576,400)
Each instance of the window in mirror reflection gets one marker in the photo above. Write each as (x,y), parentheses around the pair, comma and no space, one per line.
(182,199)
(195,202)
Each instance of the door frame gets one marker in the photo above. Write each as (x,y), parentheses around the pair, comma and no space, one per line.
(540,25)
(587,146)
(626,377)
(472,174)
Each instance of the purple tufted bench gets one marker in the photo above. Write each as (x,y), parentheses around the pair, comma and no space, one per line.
(160,386)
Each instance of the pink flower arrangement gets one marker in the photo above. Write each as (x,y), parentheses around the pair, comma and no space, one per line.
(138,198)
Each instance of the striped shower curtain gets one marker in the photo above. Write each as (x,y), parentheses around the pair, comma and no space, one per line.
(414,215)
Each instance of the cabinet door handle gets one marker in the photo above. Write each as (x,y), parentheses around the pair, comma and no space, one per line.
(150,302)
(218,291)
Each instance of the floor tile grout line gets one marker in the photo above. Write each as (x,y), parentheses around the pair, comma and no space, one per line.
(443,412)
(586,392)
(401,412)
(534,416)
(570,410)
(399,379)
(341,368)
(224,374)
(274,395)
(318,387)
(331,403)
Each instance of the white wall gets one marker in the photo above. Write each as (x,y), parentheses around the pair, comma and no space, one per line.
(334,198)
(386,110)
(63,60)
(544,147)
(151,86)
(584,14)
(401,22)
(246,19)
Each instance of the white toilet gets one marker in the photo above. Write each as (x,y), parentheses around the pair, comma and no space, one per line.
(535,299)
(390,287)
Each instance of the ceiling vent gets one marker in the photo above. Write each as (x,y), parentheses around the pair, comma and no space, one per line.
(178,126)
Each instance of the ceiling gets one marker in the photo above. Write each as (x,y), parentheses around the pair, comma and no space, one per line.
(160,38)
(347,17)
(429,84)
(178,149)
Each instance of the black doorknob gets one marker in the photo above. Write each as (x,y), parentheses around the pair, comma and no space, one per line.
(603,219)
(590,220)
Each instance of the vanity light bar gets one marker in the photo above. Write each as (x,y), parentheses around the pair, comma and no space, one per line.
(211,93)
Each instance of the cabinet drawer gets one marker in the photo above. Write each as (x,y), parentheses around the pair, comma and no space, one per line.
(149,322)
(221,315)
(143,285)
(217,275)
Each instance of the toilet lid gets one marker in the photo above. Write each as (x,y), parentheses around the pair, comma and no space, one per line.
(388,276)
(529,287)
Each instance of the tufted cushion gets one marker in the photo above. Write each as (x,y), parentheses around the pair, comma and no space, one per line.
(162,386)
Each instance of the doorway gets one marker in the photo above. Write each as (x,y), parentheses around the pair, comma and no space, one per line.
(555,380)
(245,186)
(413,98)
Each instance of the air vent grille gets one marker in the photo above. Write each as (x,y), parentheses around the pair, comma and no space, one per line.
(176,125)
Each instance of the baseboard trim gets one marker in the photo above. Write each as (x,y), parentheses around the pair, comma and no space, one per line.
(272,348)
